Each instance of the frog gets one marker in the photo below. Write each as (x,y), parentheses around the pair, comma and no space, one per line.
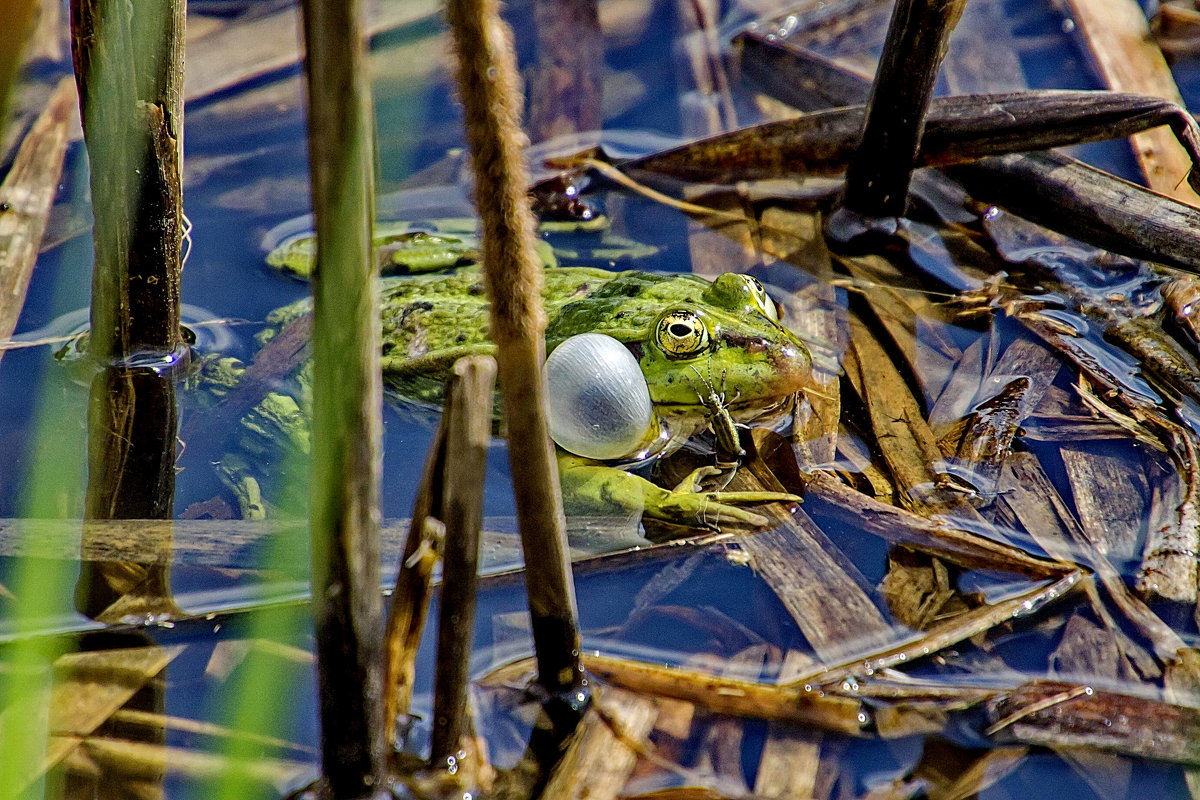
(713,353)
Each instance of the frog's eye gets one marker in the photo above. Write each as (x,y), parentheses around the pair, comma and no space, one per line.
(763,300)
(681,334)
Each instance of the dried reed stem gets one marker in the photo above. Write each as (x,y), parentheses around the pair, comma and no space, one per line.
(469,432)
(488,82)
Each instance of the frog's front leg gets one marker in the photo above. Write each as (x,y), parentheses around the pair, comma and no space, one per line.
(591,488)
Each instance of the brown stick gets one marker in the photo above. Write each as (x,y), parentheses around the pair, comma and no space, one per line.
(347,402)
(488,83)
(469,432)
(1118,38)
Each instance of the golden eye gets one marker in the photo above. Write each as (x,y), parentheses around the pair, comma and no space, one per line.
(681,334)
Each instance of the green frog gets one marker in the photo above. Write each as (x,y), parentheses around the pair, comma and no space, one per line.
(712,354)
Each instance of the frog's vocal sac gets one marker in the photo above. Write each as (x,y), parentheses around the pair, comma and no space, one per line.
(703,348)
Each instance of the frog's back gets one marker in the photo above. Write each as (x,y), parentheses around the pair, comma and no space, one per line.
(429,321)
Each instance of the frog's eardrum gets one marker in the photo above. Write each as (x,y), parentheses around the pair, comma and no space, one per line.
(599,402)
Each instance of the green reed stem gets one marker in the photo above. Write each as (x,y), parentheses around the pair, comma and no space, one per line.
(347,402)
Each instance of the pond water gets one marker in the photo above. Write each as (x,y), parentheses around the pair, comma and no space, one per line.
(712,607)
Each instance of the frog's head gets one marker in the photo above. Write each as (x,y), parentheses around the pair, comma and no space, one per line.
(730,343)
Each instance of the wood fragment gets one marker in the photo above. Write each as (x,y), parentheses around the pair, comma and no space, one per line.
(604,748)
(958,545)
(1118,38)
(1055,714)
(730,696)
(25,199)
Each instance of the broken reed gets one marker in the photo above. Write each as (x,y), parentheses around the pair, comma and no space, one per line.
(487,81)
(347,403)
(877,179)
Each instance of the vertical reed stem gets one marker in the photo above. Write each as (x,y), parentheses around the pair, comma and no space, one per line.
(129,71)
(487,80)
(469,431)
(347,402)
(877,179)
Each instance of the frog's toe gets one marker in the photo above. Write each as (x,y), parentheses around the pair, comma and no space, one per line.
(755,497)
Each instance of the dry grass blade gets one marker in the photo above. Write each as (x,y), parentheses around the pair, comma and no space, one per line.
(26,195)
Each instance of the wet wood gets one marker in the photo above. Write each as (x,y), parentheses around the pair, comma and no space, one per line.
(1049,188)
(413,590)
(964,547)
(1169,569)
(1118,38)
(1058,191)
(468,434)
(945,634)
(133,133)
(132,129)
(488,85)
(604,748)
(26,195)
(1055,714)
(1110,495)
(730,696)
(1032,499)
(804,568)
(958,130)
(346,403)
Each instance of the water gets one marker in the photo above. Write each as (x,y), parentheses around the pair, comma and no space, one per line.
(706,609)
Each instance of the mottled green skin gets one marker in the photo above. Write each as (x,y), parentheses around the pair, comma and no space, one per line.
(429,321)
(751,363)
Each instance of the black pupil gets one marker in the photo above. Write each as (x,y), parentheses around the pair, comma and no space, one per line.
(681,330)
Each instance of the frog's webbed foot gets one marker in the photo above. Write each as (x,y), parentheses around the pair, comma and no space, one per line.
(591,488)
